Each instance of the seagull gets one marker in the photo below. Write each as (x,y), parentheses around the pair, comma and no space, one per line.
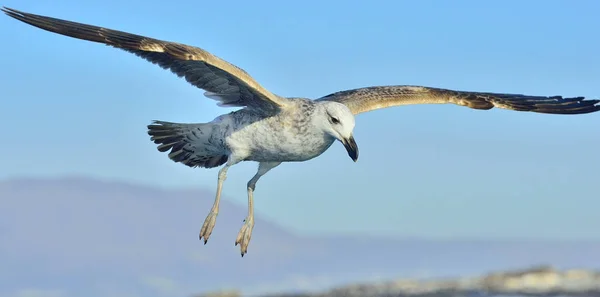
(268,128)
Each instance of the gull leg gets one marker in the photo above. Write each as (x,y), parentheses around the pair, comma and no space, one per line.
(209,222)
(243,238)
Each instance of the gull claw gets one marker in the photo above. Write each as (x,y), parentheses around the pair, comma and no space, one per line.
(243,238)
(208,226)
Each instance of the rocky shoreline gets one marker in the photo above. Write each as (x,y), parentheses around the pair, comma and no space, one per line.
(535,281)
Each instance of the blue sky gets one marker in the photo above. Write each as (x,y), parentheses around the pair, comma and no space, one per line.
(71,107)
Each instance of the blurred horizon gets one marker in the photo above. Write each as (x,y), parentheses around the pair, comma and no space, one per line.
(77,179)
(82,236)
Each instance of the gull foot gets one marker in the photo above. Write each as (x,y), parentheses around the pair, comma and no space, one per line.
(209,224)
(243,238)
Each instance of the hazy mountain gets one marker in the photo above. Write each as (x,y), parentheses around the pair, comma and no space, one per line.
(76,236)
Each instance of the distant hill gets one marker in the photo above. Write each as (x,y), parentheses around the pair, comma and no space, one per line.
(78,236)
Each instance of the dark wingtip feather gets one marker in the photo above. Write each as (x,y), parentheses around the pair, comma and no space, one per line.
(77,30)
(549,105)
(8,10)
(575,105)
(13,13)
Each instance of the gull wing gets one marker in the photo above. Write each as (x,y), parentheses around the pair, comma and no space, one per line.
(377,97)
(221,80)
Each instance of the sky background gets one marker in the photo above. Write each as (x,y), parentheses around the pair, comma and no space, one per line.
(71,107)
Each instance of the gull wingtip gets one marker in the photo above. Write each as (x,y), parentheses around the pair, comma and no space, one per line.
(9,11)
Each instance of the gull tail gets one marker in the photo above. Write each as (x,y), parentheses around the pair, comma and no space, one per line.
(189,144)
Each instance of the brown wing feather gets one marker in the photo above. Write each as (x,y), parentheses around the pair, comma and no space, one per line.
(227,83)
(371,98)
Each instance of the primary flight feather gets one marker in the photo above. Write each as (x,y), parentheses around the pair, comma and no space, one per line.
(271,129)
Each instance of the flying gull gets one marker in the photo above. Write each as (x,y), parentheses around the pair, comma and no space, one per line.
(268,128)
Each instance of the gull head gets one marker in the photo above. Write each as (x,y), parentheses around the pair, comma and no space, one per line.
(337,120)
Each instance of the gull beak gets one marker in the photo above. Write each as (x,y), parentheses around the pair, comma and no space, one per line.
(351,147)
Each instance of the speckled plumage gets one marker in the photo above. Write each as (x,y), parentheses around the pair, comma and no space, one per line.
(289,136)
(271,129)
(246,135)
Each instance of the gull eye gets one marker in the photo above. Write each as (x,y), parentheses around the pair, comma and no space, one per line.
(335,120)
